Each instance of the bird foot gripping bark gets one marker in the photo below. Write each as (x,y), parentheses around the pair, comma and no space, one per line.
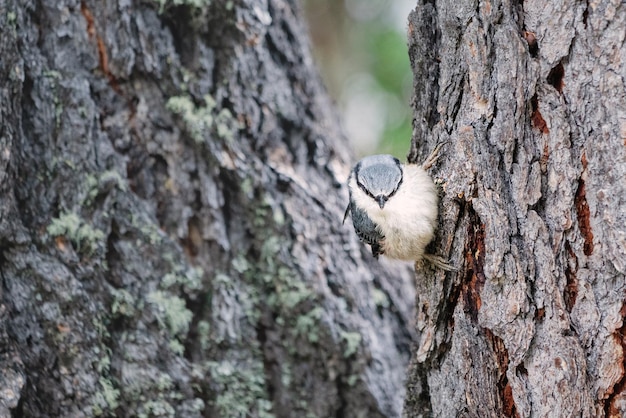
(432,158)
(440,262)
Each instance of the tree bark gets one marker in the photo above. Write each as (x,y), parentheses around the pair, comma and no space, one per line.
(172,189)
(531,100)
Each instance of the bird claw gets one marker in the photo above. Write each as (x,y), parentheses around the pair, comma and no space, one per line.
(440,262)
(432,158)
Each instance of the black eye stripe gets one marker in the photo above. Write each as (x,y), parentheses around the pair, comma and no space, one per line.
(393,192)
(357,168)
(362,187)
(367,192)
(401,177)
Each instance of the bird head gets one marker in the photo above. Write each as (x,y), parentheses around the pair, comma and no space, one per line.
(379,177)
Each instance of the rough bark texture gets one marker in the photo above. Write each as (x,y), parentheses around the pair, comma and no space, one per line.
(171,195)
(531,98)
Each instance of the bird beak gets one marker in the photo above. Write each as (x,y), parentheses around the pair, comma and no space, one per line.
(381,200)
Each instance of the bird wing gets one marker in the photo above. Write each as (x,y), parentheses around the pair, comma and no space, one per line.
(366,229)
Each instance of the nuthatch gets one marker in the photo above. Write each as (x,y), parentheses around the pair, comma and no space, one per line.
(394,207)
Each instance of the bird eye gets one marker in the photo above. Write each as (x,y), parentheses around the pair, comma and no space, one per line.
(365,189)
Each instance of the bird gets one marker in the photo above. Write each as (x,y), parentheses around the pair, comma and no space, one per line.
(394,207)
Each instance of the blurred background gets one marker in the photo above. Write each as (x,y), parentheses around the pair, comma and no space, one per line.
(361,50)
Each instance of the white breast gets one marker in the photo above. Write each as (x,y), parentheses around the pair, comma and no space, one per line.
(409,218)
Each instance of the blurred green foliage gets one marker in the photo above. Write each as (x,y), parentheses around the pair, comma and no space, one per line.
(390,59)
(360,47)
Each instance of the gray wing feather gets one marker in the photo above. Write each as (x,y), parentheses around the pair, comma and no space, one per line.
(366,229)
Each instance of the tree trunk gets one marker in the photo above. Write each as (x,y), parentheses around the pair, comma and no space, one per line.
(531,100)
(172,189)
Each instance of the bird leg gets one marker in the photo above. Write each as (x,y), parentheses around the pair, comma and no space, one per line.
(440,262)
(432,158)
